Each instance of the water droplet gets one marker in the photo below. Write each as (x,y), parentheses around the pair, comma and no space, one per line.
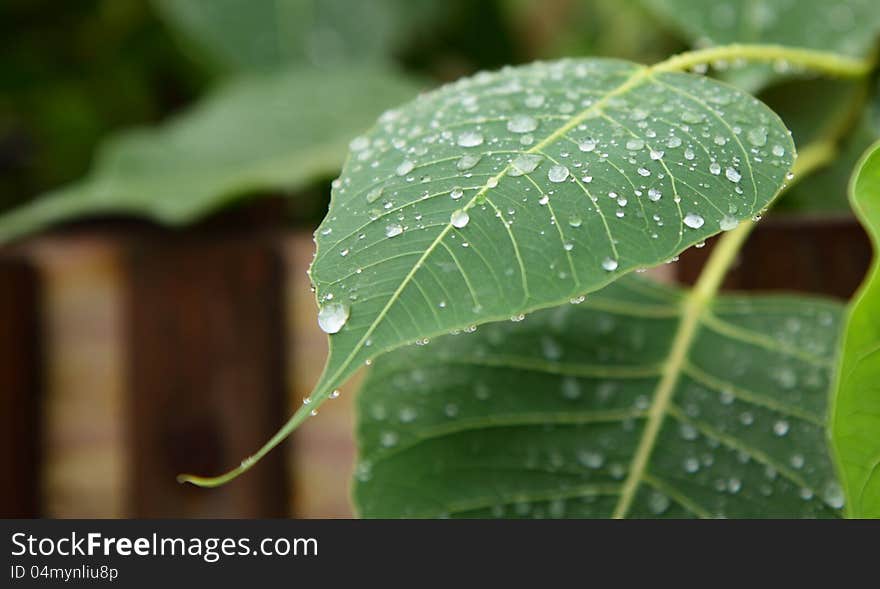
(693,220)
(571,388)
(466,162)
(780,428)
(359,143)
(797,461)
(524,164)
(654,195)
(833,495)
(332,317)
(534,100)
(374,194)
(656,154)
(691,464)
(645,172)
(635,144)
(658,503)
(522,124)
(405,167)
(388,439)
(470,139)
(587,145)
(728,223)
(575,220)
(732,174)
(609,264)
(456,193)
(591,459)
(393,230)
(459,218)
(715,168)
(757,136)
(557,173)
(335,394)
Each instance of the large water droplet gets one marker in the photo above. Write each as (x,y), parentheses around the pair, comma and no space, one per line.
(587,145)
(405,167)
(393,230)
(728,223)
(609,264)
(522,124)
(732,174)
(757,136)
(693,220)
(332,317)
(466,162)
(635,144)
(524,164)
(470,139)
(459,218)
(557,173)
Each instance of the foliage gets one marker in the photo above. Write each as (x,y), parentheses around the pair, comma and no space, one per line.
(549,417)
(855,425)
(519,191)
(224,148)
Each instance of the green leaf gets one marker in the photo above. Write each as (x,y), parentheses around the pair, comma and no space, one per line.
(521,189)
(549,417)
(247,35)
(848,27)
(256,132)
(855,422)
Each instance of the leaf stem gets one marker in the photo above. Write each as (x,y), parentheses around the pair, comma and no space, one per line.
(831,64)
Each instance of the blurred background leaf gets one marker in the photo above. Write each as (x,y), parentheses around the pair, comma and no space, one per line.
(255,133)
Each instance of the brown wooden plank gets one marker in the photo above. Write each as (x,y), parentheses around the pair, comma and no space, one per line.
(207,381)
(20,390)
(821,256)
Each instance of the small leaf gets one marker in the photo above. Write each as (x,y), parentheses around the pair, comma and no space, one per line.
(571,174)
(552,416)
(855,422)
(257,132)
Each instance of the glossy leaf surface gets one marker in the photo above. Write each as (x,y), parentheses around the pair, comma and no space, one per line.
(856,417)
(545,417)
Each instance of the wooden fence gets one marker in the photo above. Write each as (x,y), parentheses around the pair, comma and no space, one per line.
(128,355)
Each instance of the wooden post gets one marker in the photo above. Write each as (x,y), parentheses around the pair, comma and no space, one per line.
(795,254)
(20,388)
(206,373)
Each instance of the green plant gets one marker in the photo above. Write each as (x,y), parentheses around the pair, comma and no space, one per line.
(538,190)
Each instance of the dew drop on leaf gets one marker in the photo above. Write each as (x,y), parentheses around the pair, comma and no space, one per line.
(459,218)
(693,220)
(557,173)
(468,161)
(470,139)
(332,317)
(728,223)
(393,230)
(405,167)
(522,124)
(609,264)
